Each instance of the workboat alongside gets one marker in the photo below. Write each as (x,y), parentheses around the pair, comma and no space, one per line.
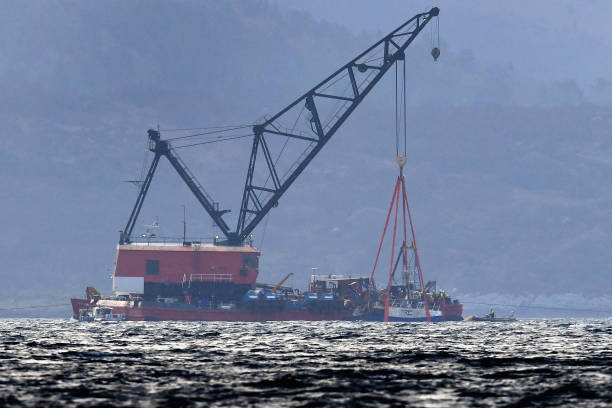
(491,318)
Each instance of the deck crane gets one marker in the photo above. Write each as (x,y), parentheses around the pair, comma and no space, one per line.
(327,106)
(279,284)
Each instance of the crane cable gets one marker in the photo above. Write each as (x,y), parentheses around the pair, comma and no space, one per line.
(205,128)
(396,121)
(400,110)
(224,139)
(434,33)
(210,132)
(404,103)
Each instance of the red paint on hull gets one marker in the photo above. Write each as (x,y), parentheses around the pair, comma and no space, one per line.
(77,305)
(452,311)
(150,313)
(145,313)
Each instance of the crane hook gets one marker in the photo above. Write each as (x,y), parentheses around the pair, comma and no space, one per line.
(435,53)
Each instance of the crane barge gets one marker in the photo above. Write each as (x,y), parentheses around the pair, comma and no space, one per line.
(189,280)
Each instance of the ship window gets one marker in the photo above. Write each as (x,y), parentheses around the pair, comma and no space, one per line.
(249,261)
(152,267)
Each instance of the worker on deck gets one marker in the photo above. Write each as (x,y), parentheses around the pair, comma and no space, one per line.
(492,314)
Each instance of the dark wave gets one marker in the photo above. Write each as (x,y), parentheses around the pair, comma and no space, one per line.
(528,363)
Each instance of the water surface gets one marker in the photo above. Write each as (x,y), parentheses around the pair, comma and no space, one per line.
(527,363)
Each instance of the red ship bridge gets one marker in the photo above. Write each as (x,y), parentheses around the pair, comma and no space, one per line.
(185,270)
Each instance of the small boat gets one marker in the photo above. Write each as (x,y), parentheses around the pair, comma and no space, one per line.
(85,316)
(100,314)
(491,318)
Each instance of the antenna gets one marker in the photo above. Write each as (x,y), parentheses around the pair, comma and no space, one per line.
(150,229)
(184,224)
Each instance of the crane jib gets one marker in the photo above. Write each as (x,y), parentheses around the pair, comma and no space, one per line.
(393,45)
(328,105)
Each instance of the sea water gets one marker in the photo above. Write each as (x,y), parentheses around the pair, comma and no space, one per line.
(525,363)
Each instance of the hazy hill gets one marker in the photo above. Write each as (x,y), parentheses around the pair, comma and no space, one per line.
(561,40)
(508,177)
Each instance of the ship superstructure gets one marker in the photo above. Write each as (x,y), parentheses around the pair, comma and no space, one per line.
(187,271)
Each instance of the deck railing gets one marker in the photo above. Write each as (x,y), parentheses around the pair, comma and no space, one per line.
(210,277)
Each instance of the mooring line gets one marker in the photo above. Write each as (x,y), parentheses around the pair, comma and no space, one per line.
(34,306)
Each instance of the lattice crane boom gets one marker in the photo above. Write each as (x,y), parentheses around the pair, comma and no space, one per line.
(328,105)
(392,46)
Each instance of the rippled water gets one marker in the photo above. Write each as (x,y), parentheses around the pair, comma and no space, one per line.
(528,363)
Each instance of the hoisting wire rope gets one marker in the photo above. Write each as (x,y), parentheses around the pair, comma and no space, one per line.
(204,128)
(396,121)
(438,30)
(401,114)
(401,120)
(211,132)
(400,99)
(434,38)
(431,36)
(404,101)
(434,33)
(213,141)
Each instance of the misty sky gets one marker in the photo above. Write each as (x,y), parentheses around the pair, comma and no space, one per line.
(557,40)
(509,139)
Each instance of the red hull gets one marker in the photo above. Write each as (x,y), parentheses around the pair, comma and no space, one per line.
(145,313)
(452,311)
(78,304)
(151,313)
